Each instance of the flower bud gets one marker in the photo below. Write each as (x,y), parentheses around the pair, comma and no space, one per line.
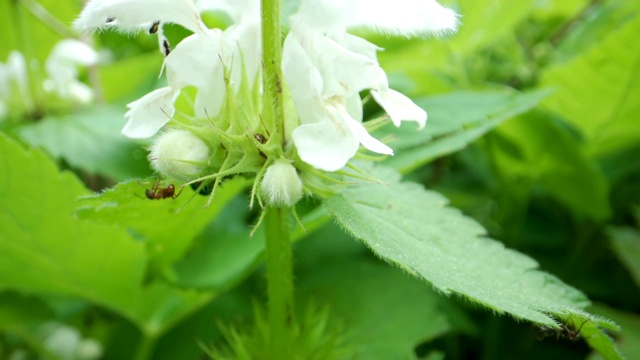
(179,154)
(281,185)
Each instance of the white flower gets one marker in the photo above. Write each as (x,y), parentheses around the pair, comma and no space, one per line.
(132,15)
(200,60)
(326,68)
(61,67)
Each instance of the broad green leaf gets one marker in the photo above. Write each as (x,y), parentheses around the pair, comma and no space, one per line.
(455,120)
(167,233)
(626,245)
(90,141)
(598,92)
(46,249)
(411,227)
(538,150)
(385,313)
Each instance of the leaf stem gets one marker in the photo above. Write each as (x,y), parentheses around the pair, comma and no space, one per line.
(279,282)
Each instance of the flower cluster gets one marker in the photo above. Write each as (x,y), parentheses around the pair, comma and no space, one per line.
(61,83)
(227,127)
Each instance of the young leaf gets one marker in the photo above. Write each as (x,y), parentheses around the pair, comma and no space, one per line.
(598,92)
(455,120)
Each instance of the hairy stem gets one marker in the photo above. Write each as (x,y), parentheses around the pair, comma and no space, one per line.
(271,59)
(279,282)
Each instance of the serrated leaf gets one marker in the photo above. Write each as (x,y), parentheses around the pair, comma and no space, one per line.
(626,245)
(598,92)
(45,249)
(167,233)
(90,141)
(413,228)
(455,120)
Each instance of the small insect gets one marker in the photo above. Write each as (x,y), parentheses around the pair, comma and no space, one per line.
(260,138)
(166,48)
(159,193)
(566,331)
(154,27)
(109,20)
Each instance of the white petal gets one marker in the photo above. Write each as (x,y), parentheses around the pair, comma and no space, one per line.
(130,15)
(242,42)
(361,133)
(343,72)
(197,61)
(399,107)
(404,17)
(303,79)
(327,145)
(149,113)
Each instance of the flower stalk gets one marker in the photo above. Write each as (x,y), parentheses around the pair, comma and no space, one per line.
(278,244)
(271,60)
(279,282)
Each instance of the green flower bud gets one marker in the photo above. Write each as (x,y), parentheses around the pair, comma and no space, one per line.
(179,154)
(281,186)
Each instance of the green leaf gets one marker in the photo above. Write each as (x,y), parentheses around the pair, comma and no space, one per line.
(455,120)
(168,234)
(626,245)
(90,141)
(363,295)
(413,228)
(598,92)
(46,249)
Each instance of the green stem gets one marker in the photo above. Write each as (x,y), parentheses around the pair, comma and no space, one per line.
(279,282)
(271,59)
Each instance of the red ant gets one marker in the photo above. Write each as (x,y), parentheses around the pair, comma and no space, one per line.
(159,193)
(567,331)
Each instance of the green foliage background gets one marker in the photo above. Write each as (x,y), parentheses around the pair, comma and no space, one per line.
(533,135)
